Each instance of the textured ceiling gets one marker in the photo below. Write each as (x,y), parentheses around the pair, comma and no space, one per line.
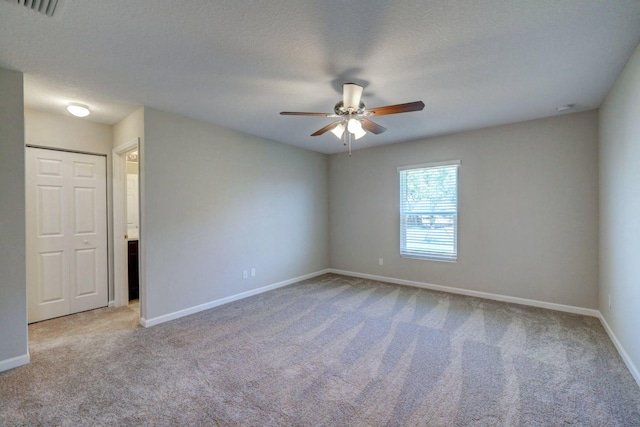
(238,64)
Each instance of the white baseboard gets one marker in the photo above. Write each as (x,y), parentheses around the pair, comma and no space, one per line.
(14,362)
(623,354)
(211,304)
(478,294)
(112,303)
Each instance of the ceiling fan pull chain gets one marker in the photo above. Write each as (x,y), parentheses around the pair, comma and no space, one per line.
(349,143)
(344,136)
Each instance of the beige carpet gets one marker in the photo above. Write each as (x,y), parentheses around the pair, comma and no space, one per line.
(330,351)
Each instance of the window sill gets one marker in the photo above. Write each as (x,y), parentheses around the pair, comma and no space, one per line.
(430,258)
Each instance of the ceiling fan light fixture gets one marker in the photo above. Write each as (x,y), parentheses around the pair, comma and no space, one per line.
(359,134)
(338,131)
(354,125)
(78,110)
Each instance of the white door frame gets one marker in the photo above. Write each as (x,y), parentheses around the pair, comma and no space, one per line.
(120,264)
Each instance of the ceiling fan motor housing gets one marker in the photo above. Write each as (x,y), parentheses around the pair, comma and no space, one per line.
(341,111)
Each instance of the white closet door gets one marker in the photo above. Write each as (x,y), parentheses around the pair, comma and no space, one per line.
(66,233)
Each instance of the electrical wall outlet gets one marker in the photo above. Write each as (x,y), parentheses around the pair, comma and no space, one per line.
(253,272)
(380,261)
(245,274)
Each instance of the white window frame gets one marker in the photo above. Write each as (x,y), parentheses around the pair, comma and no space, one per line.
(434,255)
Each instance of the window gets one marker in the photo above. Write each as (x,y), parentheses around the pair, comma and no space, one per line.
(429,211)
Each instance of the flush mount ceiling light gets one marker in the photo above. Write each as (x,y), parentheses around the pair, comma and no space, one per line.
(78,110)
(132,157)
(565,108)
(353,116)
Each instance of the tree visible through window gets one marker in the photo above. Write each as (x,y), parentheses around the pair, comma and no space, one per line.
(429,211)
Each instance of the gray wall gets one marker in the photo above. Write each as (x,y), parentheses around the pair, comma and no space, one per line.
(129,128)
(67,132)
(217,202)
(13,290)
(620,209)
(528,210)
(64,131)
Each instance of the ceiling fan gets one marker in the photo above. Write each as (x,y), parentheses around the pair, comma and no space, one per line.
(353,117)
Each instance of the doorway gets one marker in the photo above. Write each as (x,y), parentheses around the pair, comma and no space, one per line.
(133,225)
(126,219)
(67,260)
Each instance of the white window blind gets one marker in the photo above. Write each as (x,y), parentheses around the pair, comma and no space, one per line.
(429,211)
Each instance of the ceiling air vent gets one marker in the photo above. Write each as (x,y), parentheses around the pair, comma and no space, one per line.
(45,7)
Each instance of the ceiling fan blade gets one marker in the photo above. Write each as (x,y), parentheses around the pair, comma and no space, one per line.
(298,113)
(351,94)
(327,128)
(395,109)
(372,127)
